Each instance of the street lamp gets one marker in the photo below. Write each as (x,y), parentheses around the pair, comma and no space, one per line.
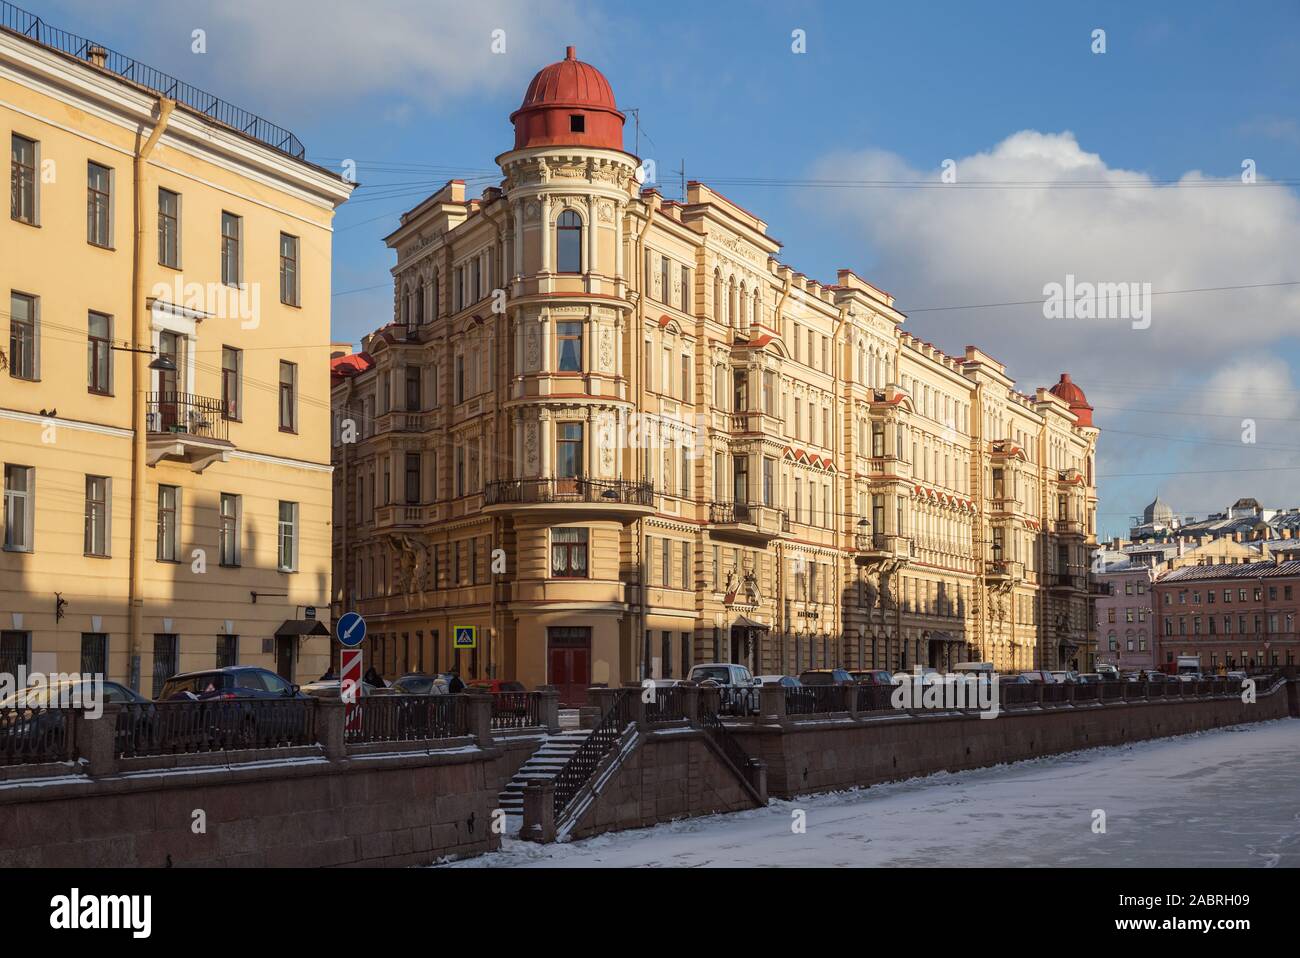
(161,363)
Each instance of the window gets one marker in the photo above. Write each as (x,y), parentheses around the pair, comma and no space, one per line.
(22,179)
(460,377)
(686,377)
(568,243)
(686,289)
(569,553)
(20,504)
(166,648)
(99,355)
(96,538)
(288,269)
(227,651)
(666,569)
(769,480)
(232,228)
(232,365)
(99,218)
(412,478)
(23,351)
(94,653)
(229,532)
(169,531)
(686,565)
(577,123)
(413,399)
(288,396)
(287,558)
(169,229)
(569,456)
(569,347)
(665,280)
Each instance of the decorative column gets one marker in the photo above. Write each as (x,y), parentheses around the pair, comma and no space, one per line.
(545,265)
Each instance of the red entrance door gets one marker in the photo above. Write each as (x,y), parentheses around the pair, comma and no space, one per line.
(569,663)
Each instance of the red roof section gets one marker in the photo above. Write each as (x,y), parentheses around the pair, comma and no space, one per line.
(568,89)
(1069,391)
(342,367)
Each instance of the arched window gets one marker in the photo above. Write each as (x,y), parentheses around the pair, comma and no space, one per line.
(719,312)
(568,243)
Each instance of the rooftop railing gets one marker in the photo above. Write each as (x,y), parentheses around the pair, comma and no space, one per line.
(20,21)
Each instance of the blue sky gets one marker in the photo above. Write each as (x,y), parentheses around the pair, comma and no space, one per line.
(412,93)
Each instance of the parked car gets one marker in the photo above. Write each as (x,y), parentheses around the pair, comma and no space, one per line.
(20,718)
(1039,677)
(1153,675)
(873,677)
(785,681)
(231,682)
(736,681)
(333,688)
(1065,677)
(826,677)
(1090,678)
(493,686)
(229,718)
(1187,677)
(1017,679)
(1105,670)
(1236,676)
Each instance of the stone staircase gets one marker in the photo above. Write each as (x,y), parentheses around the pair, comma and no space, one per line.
(543,765)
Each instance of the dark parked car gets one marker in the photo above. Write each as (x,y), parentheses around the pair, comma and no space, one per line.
(826,677)
(232,682)
(233,715)
(26,722)
(873,677)
(419,683)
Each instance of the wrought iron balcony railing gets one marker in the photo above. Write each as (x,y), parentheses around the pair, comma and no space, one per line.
(595,491)
(185,414)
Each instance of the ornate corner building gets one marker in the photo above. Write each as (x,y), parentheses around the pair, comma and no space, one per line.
(618,436)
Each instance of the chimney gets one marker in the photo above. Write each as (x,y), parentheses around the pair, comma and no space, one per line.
(97,55)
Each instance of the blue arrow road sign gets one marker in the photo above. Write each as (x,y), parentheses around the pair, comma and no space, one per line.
(351,629)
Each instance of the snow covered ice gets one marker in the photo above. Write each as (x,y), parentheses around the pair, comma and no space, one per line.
(1228,797)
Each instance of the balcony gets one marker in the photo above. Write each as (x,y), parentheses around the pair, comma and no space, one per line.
(397,515)
(1067,582)
(1069,527)
(874,547)
(186,428)
(754,422)
(614,498)
(748,521)
(1003,571)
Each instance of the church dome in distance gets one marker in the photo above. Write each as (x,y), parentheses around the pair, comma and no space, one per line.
(569,103)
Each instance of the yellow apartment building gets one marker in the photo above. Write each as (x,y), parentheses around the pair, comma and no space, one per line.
(617,436)
(164,397)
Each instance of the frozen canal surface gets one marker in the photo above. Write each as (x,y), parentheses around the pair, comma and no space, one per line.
(1230,797)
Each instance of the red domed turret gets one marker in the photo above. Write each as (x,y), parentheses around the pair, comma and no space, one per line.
(1067,389)
(569,103)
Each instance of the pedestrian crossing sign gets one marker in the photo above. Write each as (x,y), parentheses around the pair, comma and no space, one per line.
(465,637)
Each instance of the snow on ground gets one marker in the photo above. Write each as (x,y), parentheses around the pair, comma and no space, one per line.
(1228,797)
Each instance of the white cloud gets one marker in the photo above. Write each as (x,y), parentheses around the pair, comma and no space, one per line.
(939,246)
(298,52)
(1169,398)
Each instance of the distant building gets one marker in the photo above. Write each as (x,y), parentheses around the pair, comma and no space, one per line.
(1244,521)
(1233,616)
(1124,625)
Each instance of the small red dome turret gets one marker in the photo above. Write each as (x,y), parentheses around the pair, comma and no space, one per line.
(569,103)
(1068,390)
